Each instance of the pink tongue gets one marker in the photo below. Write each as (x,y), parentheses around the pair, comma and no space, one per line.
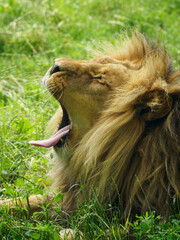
(47,143)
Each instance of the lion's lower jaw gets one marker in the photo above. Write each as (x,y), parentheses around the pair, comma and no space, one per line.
(60,155)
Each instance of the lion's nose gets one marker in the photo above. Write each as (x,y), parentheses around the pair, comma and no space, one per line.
(55,68)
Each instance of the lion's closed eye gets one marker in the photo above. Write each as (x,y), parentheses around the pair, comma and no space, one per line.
(98,77)
(101,80)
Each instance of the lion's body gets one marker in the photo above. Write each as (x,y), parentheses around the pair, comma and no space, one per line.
(125,127)
(124,142)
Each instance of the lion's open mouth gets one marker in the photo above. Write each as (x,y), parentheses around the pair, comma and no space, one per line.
(60,137)
(64,123)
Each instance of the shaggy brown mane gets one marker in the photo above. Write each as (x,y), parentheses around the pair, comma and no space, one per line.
(134,145)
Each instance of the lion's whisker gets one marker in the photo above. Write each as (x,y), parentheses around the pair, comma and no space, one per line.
(61,95)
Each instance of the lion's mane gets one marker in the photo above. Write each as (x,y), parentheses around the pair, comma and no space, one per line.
(133,150)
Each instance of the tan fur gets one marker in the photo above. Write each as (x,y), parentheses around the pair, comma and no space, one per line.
(32,204)
(124,107)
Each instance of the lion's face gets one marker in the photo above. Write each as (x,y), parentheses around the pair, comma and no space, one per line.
(83,88)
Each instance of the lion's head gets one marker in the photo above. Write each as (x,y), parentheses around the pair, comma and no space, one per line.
(117,129)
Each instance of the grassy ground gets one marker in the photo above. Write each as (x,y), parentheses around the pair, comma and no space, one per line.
(32,34)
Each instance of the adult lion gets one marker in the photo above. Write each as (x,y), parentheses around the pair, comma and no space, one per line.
(118,128)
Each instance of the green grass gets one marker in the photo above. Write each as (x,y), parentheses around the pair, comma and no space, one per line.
(32,34)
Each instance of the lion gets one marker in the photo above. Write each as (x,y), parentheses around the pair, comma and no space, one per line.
(117,130)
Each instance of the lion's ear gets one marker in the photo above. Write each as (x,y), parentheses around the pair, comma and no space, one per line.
(154,105)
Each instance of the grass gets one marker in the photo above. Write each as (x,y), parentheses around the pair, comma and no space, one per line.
(32,34)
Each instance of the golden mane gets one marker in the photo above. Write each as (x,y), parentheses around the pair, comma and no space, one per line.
(133,150)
